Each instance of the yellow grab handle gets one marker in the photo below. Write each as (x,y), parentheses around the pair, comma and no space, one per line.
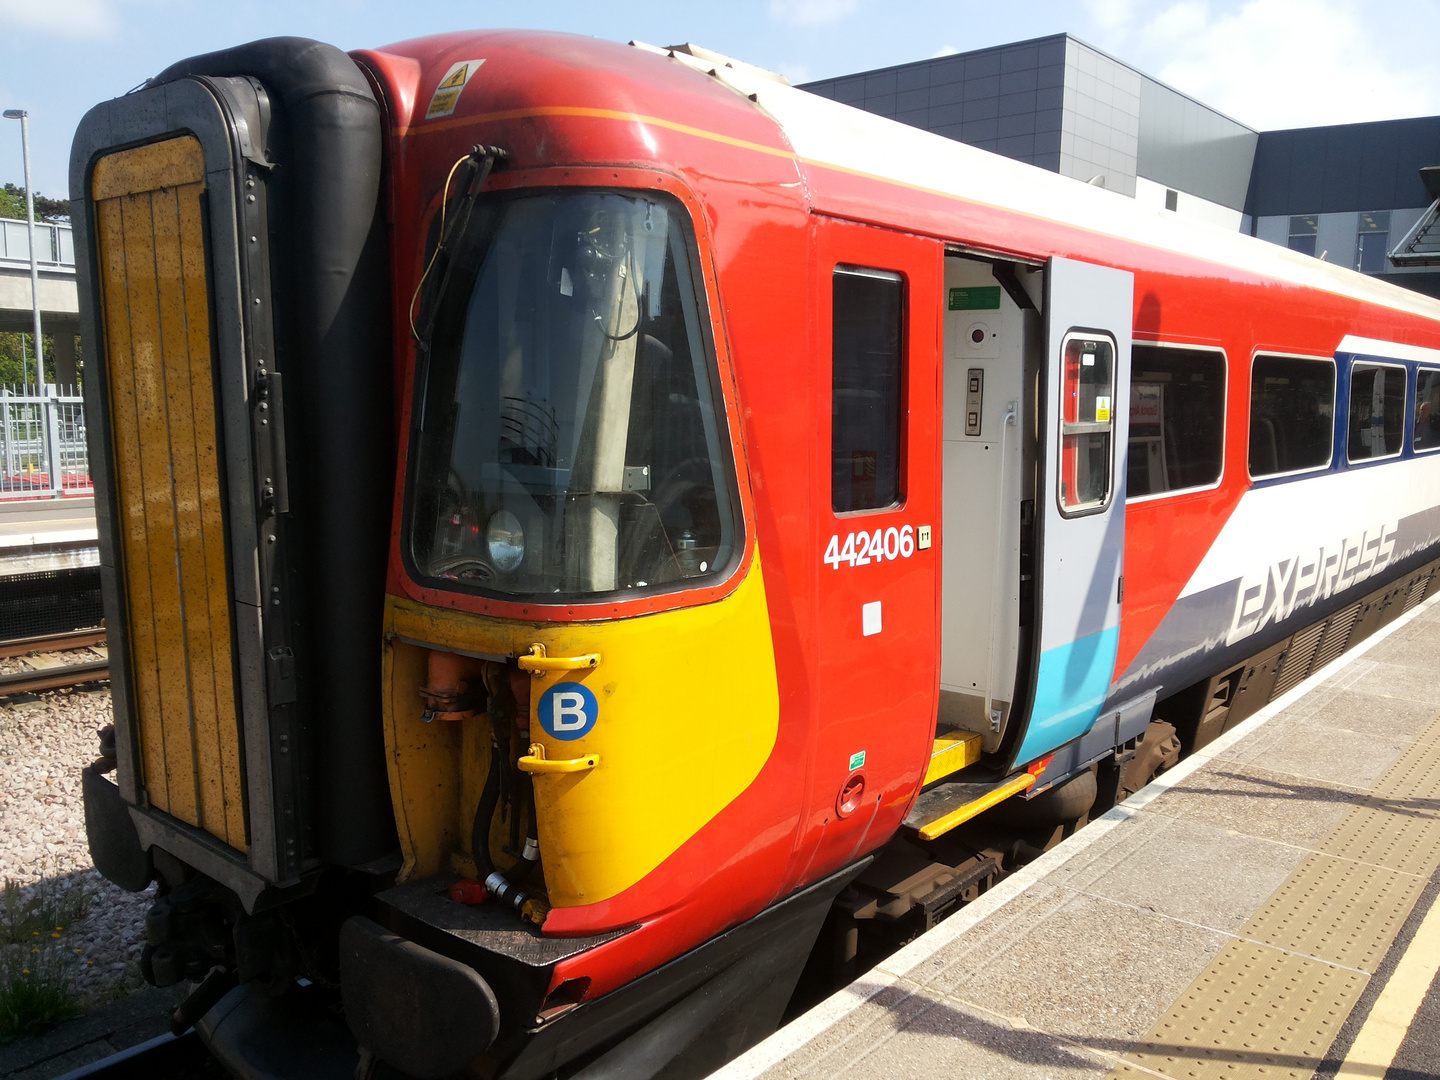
(941,825)
(537,663)
(536,762)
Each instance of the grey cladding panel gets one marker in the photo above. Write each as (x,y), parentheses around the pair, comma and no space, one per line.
(1192,148)
(1344,168)
(995,99)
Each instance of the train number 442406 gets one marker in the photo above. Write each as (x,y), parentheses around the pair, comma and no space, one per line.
(863,548)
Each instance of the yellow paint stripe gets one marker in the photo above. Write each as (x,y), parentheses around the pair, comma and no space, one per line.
(1394,1010)
(594,114)
(817,163)
(940,826)
(726,140)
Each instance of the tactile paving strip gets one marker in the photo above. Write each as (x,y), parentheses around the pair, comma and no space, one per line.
(1271,1005)
(1415,773)
(1255,1011)
(1388,832)
(1336,910)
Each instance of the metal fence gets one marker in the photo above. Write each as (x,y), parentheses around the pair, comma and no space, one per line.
(54,244)
(42,443)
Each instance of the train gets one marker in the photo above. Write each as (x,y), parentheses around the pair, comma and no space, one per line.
(598,544)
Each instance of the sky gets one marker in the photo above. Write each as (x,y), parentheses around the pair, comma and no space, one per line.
(1267,63)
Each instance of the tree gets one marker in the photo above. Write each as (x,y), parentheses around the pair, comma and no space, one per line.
(11,345)
(12,205)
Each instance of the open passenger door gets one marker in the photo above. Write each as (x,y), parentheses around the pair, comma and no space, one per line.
(1080,499)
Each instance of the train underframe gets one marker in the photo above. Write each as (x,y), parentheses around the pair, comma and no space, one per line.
(400,961)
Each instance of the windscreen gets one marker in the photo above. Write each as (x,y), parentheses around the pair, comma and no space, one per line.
(570,435)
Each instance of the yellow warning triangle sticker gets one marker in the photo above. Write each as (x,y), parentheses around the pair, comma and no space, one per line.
(455,78)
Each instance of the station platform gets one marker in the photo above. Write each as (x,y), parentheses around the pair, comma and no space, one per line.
(1265,909)
(44,535)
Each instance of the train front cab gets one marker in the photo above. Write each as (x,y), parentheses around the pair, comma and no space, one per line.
(1032,360)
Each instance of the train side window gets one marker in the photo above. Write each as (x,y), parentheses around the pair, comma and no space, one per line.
(1376,427)
(1292,414)
(1087,423)
(866,385)
(1177,419)
(1427,409)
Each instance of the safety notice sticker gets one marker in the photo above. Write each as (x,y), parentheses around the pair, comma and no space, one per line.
(447,94)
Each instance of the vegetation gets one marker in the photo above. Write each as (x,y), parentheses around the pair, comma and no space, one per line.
(11,345)
(34,992)
(49,908)
(12,205)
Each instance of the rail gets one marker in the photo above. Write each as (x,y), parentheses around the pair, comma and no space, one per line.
(55,245)
(54,675)
(43,453)
(177,1057)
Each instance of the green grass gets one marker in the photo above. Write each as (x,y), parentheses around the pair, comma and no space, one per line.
(34,993)
(42,915)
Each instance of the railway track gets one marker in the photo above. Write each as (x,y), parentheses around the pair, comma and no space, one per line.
(50,673)
(164,1058)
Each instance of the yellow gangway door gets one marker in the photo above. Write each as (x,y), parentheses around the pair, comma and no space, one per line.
(155,317)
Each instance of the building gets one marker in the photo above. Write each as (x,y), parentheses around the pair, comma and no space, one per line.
(1346,193)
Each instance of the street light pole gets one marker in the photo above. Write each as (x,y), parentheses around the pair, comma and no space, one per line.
(24,118)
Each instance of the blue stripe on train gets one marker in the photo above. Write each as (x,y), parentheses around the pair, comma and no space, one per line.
(1070,690)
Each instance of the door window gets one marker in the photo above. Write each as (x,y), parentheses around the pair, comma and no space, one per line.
(1087,422)
(866,402)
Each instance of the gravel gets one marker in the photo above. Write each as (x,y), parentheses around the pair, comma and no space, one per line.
(44,743)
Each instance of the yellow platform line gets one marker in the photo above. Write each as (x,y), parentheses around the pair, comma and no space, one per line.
(1394,1010)
(1273,999)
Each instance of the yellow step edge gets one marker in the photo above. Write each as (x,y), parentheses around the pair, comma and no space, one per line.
(941,825)
(953,751)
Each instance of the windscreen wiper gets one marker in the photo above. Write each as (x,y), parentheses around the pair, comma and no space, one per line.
(471,171)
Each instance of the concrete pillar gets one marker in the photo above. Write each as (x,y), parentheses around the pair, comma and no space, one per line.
(64,344)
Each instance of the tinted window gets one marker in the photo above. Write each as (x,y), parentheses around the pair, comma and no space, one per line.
(1371,240)
(1427,408)
(1292,414)
(1087,422)
(865,390)
(1303,228)
(1177,419)
(571,441)
(1377,411)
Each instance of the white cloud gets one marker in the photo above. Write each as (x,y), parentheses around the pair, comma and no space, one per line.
(1288,63)
(944,50)
(66,18)
(812,12)
(1111,14)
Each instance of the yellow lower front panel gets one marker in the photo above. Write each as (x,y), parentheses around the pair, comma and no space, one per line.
(685,714)
(155,321)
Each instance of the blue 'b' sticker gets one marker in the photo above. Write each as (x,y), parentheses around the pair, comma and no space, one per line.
(568,710)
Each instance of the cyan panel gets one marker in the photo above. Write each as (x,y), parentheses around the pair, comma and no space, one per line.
(1070,690)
